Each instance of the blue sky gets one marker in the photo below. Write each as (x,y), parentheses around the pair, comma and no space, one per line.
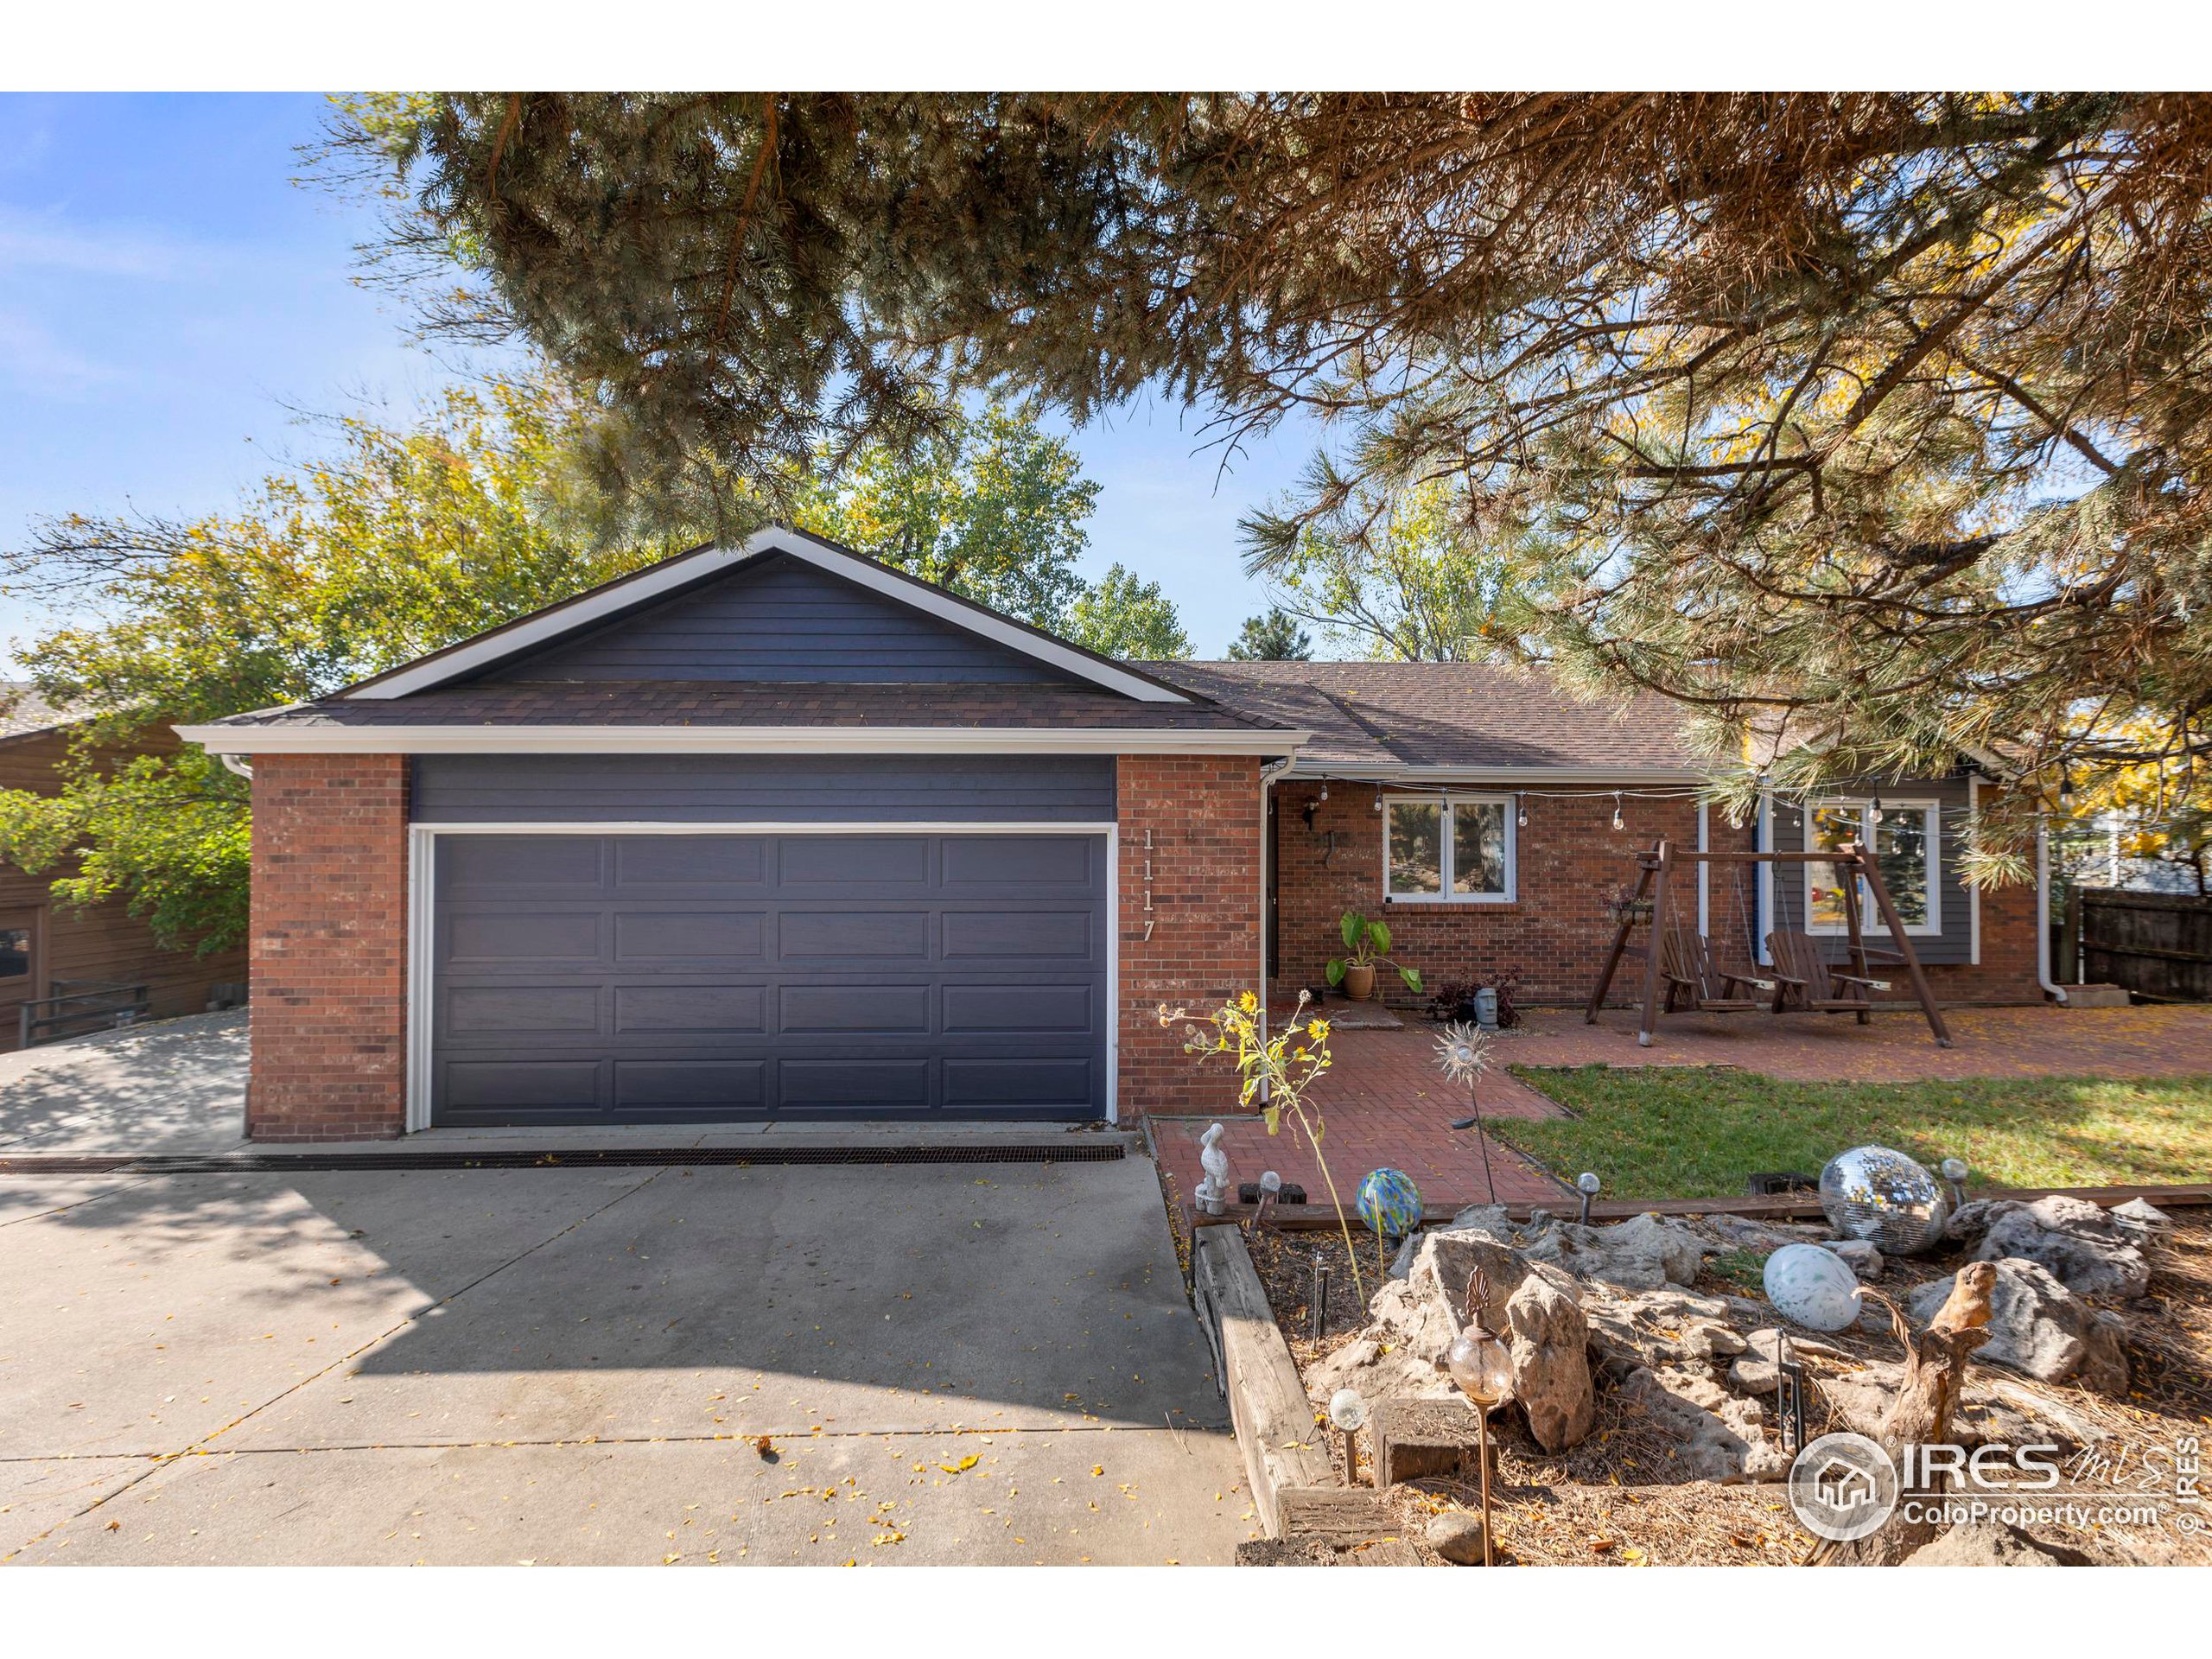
(169,298)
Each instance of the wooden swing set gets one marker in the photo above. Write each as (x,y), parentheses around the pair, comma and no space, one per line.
(1678,967)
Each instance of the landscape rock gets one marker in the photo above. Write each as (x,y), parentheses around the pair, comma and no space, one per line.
(1862,1398)
(2081,1245)
(1633,1328)
(1709,1340)
(1642,1253)
(1992,1543)
(2143,1223)
(1760,1234)
(1411,1321)
(1755,1372)
(1483,1218)
(1549,1340)
(2038,1326)
(1863,1260)
(1716,1436)
(1457,1535)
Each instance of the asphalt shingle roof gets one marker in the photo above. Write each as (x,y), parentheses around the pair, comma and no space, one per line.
(721,703)
(1444,714)
(23,711)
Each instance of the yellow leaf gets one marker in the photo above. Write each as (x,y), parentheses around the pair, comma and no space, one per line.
(960,1467)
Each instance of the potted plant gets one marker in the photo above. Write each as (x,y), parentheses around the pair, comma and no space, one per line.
(1366,944)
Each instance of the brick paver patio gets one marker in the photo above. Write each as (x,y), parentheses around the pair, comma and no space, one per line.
(1385,1102)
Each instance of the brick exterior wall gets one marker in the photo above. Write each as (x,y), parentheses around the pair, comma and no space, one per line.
(1202,813)
(1571,863)
(328,948)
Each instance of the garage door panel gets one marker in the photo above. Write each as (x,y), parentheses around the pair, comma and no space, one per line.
(484,1010)
(884,1010)
(1038,935)
(690,1086)
(695,978)
(853,936)
(678,936)
(509,1085)
(645,862)
(1055,1010)
(1018,1083)
(709,1010)
(504,938)
(1019,861)
(499,867)
(855,1085)
(844,861)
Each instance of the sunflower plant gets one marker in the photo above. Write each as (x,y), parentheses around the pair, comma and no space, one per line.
(1278,1070)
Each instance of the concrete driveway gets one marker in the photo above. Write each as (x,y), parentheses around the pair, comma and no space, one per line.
(174,1086)
(954,1364)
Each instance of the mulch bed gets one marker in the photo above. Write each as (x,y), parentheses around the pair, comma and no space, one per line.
(1617,1498)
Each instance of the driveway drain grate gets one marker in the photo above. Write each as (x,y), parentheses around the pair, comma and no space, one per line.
(1076,1152)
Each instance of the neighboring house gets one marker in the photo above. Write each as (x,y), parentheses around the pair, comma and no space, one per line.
(47,948)
(779,831)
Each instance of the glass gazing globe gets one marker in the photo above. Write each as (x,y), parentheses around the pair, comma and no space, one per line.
(1481,1367)
(1347,1409)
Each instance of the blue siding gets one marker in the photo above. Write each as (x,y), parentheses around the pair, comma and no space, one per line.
(762,788)
(1955,943)
(780,619)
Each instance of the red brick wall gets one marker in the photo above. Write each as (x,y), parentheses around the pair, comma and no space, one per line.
(1571,864)
(1203,872)
(329,947)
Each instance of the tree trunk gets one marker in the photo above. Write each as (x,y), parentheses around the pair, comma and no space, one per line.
(1934,1375)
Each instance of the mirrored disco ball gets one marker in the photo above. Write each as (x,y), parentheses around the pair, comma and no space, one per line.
(1878,1194)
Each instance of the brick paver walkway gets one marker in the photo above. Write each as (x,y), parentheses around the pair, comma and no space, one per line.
(1382,1103)
(1385,1102)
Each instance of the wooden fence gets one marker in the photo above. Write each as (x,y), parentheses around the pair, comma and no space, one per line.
(2156,943)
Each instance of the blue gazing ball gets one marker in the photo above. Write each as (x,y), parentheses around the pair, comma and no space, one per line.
(1389,1203)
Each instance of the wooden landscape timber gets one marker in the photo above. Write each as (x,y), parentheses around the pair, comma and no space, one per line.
(1283,1449)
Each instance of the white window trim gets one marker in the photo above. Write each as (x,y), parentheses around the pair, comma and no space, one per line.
(1505,806)
(1870,917)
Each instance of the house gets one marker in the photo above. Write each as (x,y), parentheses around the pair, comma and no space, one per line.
(101,956)
(773,830)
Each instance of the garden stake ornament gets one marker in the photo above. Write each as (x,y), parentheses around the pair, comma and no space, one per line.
(1482,1367)
(1461,1054)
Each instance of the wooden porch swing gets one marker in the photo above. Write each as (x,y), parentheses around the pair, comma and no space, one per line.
(1678,967)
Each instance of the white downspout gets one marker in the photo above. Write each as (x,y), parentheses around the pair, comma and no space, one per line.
(1269,771)
(1704,879)
(2042,914)
(232,763)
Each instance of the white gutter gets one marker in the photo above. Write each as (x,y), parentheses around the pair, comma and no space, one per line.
(2042,914)
(728,740)
(1475,776)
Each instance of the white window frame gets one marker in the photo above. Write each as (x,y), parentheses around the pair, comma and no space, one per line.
(1505,806)
(1870,915)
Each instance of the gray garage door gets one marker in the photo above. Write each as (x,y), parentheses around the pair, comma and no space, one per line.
(695,978)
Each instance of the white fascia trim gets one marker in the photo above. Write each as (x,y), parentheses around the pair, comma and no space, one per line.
(476,655)
(725,740)
(1476,776)
(422,913)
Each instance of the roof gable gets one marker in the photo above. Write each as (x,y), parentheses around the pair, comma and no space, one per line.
(785,606)
(782,619)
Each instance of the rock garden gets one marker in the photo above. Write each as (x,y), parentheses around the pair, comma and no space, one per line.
(1644,1424)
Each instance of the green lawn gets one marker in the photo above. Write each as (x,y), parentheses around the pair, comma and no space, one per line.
(1693,1133)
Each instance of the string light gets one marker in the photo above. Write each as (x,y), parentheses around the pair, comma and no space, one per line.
(1521,811)
(1378,797)
(1617,822)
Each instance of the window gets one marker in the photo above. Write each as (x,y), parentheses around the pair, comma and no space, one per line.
(1906,836)
(16,936)
(1448,852)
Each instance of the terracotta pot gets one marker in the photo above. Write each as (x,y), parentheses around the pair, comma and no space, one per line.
(1359,980)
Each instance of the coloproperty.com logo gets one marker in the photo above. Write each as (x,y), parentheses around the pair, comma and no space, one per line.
(1843,1486)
